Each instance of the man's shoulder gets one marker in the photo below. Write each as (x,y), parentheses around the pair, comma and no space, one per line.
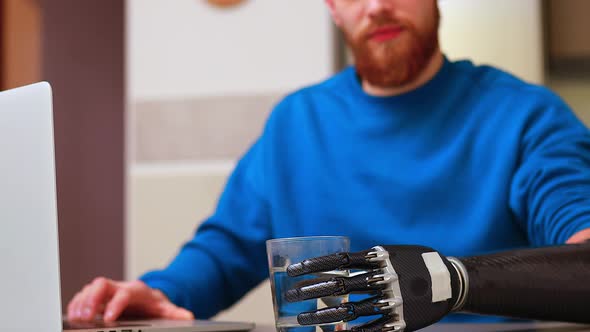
(491,80)
(306,98)
(329,86)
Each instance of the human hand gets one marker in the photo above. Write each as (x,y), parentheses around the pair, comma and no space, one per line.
(113,299)
(410,287)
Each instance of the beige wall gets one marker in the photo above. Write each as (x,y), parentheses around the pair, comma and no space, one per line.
(198,129)
(503,33)
(576,92)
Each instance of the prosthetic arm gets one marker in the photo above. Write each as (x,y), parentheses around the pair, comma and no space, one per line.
(411,287)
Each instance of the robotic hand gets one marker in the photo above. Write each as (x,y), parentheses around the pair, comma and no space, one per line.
(411,287)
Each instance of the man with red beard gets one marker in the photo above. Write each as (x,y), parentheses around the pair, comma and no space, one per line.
(403,147)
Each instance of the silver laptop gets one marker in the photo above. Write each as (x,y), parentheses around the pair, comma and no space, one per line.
(29,259)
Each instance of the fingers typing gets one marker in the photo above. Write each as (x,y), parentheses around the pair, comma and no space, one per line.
(112,299)
(117,304)
(96,296)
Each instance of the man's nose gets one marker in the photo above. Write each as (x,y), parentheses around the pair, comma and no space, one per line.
(377,7)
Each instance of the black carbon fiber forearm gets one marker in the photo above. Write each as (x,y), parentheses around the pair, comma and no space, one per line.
(550,283)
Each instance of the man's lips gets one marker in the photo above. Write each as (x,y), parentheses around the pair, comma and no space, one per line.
(385,33)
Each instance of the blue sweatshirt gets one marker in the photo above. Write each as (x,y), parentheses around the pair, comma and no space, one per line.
(471,162)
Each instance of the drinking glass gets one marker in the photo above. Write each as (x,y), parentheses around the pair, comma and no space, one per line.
(283,252)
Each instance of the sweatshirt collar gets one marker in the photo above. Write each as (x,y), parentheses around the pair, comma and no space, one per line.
(426,93)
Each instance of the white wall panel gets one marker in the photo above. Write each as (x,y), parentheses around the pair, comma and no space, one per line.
(186,48)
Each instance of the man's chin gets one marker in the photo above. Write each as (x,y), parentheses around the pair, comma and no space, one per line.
(387,83)
(387,74)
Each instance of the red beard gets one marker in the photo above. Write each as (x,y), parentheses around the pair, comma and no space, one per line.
(394,62)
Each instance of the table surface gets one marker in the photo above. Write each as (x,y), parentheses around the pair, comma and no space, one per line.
(509,327)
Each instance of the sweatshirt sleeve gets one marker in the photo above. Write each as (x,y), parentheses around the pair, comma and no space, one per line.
(226,257)
(550,190)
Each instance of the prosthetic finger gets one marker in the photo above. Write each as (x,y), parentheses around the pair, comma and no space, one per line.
(335,286)
(419,285)
(348,311)
(385,323)
(339,261)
